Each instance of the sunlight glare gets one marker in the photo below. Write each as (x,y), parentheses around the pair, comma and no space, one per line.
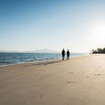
(99,32)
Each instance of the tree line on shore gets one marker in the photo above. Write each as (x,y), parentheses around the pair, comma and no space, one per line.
(98,51)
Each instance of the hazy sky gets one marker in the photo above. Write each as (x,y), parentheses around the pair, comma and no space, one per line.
(78,25)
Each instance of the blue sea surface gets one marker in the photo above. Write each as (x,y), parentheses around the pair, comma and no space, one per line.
(19,58)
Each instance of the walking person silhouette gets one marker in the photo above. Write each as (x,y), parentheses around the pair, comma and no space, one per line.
(68,54)
(63,54)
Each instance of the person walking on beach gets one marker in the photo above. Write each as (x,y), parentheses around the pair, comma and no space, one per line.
(68,54)
(63,54)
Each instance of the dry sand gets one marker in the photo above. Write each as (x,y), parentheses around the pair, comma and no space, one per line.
(78,81)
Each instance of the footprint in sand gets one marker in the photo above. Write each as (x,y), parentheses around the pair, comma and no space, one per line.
(35,85)
(99,66)
(41,96)
(71,72)
(71,82)
(97,74)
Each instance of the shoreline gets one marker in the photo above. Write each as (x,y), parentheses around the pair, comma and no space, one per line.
(49,60)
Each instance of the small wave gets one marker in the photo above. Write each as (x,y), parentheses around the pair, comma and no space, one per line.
(19,58)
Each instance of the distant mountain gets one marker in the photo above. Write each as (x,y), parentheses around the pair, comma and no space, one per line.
(32,51)
(42,51)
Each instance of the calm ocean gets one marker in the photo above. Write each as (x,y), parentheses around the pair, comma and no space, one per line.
(19,58)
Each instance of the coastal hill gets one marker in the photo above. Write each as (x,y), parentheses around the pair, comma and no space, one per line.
(42,51)
(45,50)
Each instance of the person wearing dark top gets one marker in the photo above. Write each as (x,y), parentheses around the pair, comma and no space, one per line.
(68,54)
(63,54)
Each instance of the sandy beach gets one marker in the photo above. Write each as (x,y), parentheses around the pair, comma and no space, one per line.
(78,81)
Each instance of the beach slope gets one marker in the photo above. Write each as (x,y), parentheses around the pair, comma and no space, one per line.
(78,81)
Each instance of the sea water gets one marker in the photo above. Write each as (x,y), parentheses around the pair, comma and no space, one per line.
(19,58)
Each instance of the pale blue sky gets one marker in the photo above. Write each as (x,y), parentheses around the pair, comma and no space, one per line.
(77,25)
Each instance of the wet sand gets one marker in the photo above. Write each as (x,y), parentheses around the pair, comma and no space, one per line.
(78,81)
